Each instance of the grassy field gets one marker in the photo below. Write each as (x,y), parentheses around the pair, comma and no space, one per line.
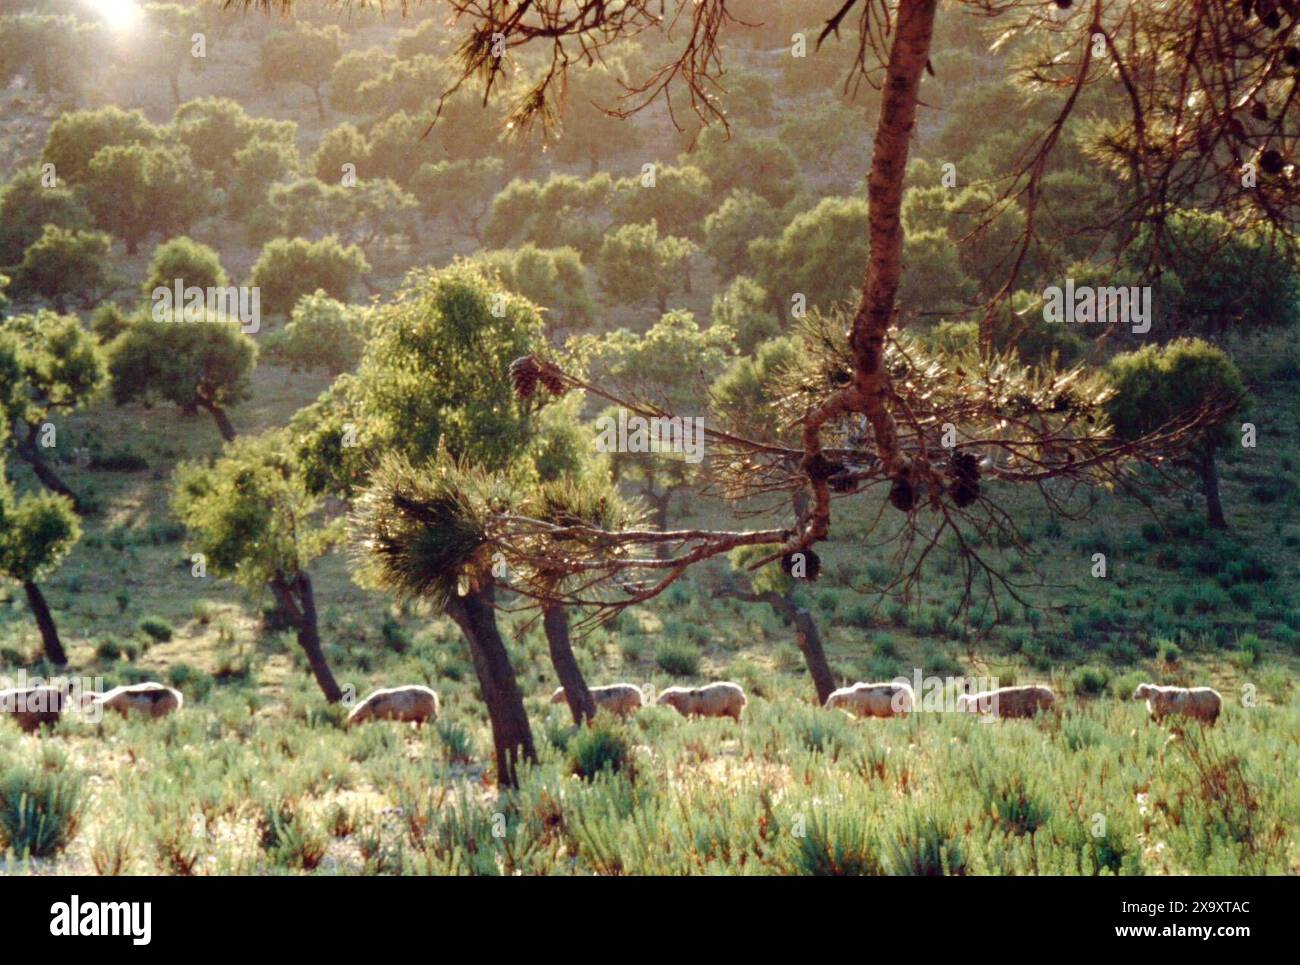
(257,774)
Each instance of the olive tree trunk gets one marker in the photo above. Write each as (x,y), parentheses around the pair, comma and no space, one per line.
(45,621)
(29,452)
(512,737)
(298,600)
(219,415)
(1209,469)
(555,621)
(807,635)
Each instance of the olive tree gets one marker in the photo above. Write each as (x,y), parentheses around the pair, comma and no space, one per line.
(28,203)
(302,54)
(194,365)
(61,368)
(253,519)
(288,269)
(637,264)
(135,190)
(37,531)
(1161,383)
(64,264)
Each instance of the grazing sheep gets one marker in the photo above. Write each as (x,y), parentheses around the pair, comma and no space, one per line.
(711,700)
(874,700)
(412,703)
(621,699)
(1202,703)
(152,700)
(32,706)
(1008,701)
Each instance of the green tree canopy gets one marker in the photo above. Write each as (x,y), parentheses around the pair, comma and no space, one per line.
(63,264)
(134,191)
(27,206)
(637,264)
(743,217)
(745,310)
(254,521)
(1160,383)
(819,255)
(76,137)
(189,364)
(553,278)
(323,333)
(301,54)
(186,260)
(288,269)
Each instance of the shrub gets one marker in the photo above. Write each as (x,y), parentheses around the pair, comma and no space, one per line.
(156,628)
(678,658)
(836,845)
(1013,806)
(289,839)
(191,682)
(457,742)
(40,809)
(924,847)
(601,746)
(395,637)
(1088,681)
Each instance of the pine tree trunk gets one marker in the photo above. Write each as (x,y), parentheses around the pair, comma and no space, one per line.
(908,54)
(555,621)
(512,736)
(1210,486)
(320,104)
(45,621)
(660,503)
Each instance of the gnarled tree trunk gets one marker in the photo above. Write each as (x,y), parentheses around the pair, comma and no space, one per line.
(807,635)
(45,621)
(555,622)
(219,415)
(30,453)
(298,600)
(512,736)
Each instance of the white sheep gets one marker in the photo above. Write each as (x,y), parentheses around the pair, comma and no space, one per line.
(411,703)
(152,700)
(621,699)
(712,700)
(874,700)
(32,706)
(1008,701)
(1200,703)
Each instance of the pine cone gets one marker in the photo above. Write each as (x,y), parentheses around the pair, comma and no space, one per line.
(964,493)
(903,494)
(523,376)
(842,482)
(818,467)
(553,381)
